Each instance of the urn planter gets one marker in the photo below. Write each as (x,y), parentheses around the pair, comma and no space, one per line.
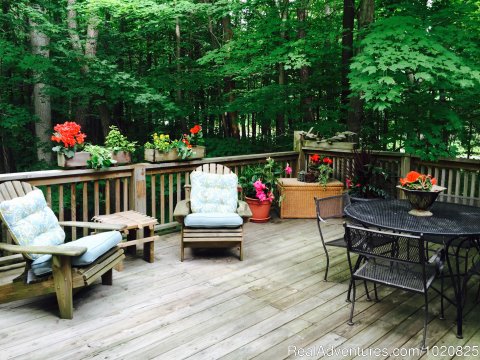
(421,201)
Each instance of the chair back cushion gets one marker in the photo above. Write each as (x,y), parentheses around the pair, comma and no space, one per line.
(214,193)
(31,221)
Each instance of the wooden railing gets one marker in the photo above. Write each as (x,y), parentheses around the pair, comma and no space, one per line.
(153,189)
(461,177)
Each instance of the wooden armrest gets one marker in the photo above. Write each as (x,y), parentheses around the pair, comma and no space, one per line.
(53,250)
(182,209)
(244,210)
(93,225)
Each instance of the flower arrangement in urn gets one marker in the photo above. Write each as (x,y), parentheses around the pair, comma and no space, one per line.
(421,191)
(319,169)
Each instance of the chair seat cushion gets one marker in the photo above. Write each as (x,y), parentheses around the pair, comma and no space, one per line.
(213,220)
(96,245)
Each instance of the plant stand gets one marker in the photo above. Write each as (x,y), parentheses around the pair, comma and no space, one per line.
(298,197)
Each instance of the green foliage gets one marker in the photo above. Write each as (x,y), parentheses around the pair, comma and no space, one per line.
(267,173)
(100,157)
(116,141)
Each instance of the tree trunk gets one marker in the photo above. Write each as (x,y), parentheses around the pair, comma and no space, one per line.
(229,85)
(280,120)
(306,98)
(347,51)
(41,101)
(355,113)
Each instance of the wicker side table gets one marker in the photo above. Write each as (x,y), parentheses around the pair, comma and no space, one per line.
(298,196)
(134,221)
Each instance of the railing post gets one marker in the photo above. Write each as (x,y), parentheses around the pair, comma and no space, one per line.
(297,146)
(405,166)
(138,189)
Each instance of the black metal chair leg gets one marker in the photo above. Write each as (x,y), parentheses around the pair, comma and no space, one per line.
(425,323)
(376,292)
(366,291)
(328,263)
(442,313)
(350,321)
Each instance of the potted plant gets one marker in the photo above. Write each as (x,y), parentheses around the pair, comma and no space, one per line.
(196,140)
(71,140)
(259,186)
(120,146)
(367,180)
(100,157)
(160,149)
(319,169)
(421,192)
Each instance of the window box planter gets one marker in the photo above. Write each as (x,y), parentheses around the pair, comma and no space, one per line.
(156,156)
(122,157)
(338,145)
(298,197)
(78,160)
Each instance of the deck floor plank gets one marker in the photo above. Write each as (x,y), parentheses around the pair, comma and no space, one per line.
(213,306)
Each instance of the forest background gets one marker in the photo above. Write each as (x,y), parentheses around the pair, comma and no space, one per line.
(405,75)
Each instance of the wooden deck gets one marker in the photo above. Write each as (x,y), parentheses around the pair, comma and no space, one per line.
(214,306)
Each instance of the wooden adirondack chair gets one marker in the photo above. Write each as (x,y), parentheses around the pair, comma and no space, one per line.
(64,277)
(200,236)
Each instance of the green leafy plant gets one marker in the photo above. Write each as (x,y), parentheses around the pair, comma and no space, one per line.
(184,149)
(116,141)
(161,142)
(100,157)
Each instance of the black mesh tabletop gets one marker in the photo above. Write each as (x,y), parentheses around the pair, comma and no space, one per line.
(447,219)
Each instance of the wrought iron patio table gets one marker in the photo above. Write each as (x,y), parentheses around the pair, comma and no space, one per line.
(458,225)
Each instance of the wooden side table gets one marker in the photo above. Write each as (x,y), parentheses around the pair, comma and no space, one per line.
(134,222)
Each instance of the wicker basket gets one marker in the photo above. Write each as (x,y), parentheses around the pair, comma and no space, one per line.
(298,196)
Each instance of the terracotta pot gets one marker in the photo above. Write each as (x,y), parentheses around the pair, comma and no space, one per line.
(421,201)
(260,209)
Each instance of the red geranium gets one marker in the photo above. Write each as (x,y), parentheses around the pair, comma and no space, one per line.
(196,129)
(315,158)
(417,181)
(69,133)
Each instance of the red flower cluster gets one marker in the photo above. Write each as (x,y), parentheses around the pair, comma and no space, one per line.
(186,142)
(196,129)
(417,181)
(316,159)
(69,134)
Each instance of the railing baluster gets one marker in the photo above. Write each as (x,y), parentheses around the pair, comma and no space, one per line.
(96,198)
(125,194)
(73,208)
(85,205)
(107,196)
(472,188)
(153,196)
(49,196)
(170,197)
(179,187)
(162,199)
(60,203)
(117,195)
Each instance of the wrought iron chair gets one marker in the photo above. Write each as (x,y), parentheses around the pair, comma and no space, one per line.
(400,262)
(328,208)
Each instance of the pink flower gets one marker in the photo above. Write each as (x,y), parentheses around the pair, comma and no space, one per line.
(288,169)
(348,182)
(258,185)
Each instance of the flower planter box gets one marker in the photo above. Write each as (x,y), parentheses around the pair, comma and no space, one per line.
(78,160)
(298,202)
(339,145)
(156,156)
(122,157)
(152,155)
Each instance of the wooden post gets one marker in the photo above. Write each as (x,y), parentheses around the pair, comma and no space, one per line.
(138,189)
(298,146)
(405,165)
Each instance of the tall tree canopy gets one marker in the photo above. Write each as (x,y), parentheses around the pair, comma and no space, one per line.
(405,73)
